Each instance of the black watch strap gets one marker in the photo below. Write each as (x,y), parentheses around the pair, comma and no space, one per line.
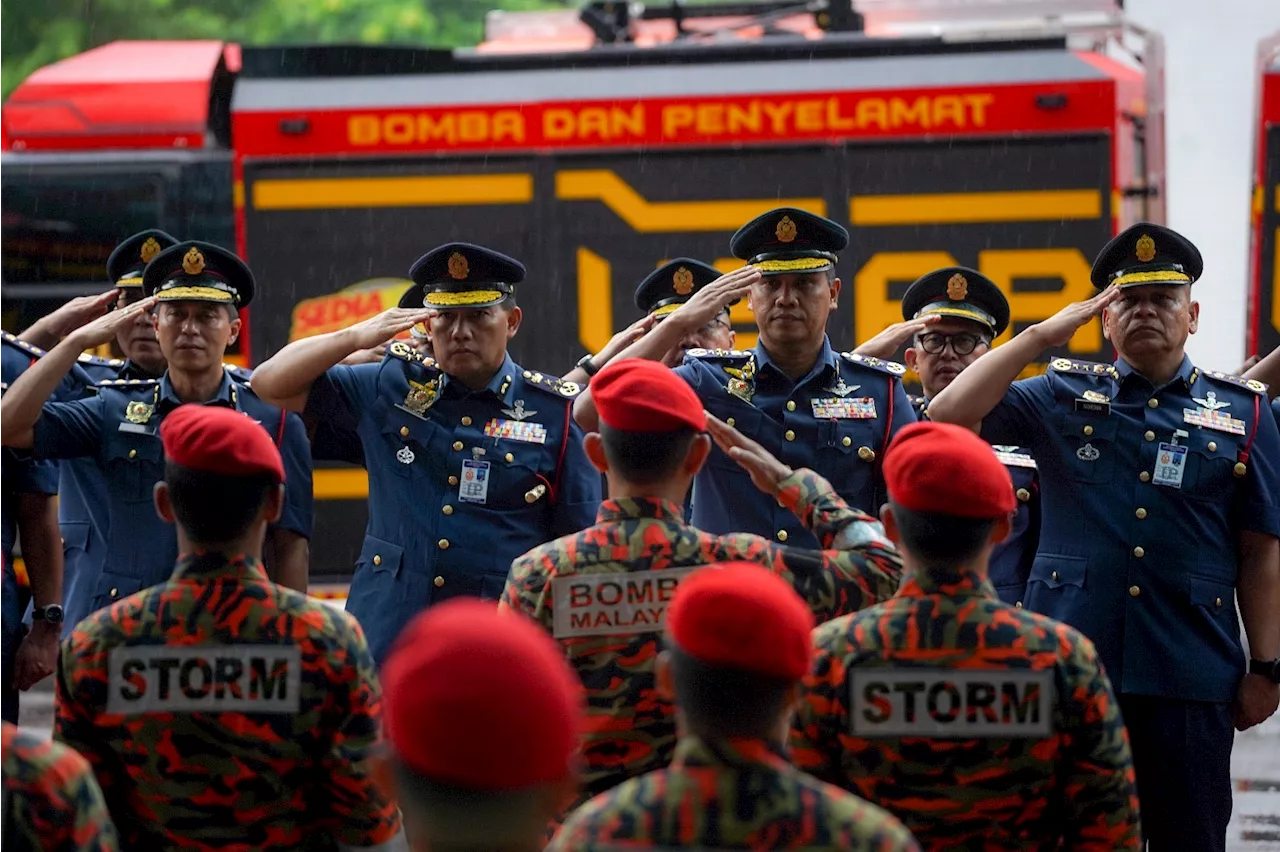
(588,366)
(1270,669)
(51,613)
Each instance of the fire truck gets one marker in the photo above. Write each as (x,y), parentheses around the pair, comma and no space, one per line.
(1262,330)
(1013,136)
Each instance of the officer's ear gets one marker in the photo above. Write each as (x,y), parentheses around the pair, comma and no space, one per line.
(593,444)
(233,325)
(911,357)
(513,321)
(1195,315)
(697,455)
(834,286)
(164,505)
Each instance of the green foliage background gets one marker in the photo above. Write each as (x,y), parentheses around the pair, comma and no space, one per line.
(37,32)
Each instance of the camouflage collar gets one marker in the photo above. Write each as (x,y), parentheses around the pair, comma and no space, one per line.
(960,585)
(628,508)
(203,565)
(695,751)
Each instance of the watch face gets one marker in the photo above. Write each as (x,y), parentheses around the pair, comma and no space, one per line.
(51,613)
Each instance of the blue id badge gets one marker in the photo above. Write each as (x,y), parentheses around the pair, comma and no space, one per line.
(473,486)
(1171,463)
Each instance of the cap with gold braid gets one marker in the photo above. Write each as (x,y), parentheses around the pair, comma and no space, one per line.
(198,272)
(672,284)
(456,276)
(1147,254)
(789,240)
(125,265)
(959,292)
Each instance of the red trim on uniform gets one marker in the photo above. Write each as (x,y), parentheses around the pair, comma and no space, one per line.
(280,432)
(888,426)
(564,446)
(1257,413)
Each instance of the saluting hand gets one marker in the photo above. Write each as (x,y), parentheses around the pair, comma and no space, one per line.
(48,330)
(708,302)
(103,329)
(1058,329)
(767,472)
(886,343)
(377,330)
(623,339)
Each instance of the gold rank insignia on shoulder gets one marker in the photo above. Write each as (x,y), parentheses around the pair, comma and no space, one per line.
(150,249)
(1248,384)
(568,388)
(193,262)
(786,230)
(138,412)
(743,383)
(957,287)
(893,368)
(421,396)
(1145,249)
(458,267)
(400,349)
(682,281)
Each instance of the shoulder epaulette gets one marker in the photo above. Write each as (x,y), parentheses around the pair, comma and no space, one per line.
(893,368)
(126,383)
(405,352)
(240,374)
(552,384)
(94,360)
(1239,381)
(917,401)
(1083,368)
(29,348)
(720,354)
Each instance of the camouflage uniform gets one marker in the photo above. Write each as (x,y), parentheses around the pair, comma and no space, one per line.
(735,794)
(51,800)
(630,730)
(995,791)
(221,711)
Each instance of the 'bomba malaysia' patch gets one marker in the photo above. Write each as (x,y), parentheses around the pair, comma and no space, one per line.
(614,604)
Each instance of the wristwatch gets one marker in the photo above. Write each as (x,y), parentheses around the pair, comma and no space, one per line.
(51,613)
(1270,669)
(588,365)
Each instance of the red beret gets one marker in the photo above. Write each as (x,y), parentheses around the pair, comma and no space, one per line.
(635,395)
(481,699)
(742,616)
(216,439)
(939,467)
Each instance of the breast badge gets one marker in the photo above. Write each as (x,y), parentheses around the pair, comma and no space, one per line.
(743,383)
(421,396)
(138,412)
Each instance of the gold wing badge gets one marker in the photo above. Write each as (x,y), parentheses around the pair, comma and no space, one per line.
(743,383)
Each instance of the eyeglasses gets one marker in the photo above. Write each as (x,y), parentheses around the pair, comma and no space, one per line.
(711,327)
(961,344)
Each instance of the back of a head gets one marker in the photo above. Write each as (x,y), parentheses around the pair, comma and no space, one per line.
(484,717)
(649,417)
(220,467)
(947,490)
(739,643)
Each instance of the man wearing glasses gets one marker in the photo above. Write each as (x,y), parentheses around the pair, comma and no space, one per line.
(951,316)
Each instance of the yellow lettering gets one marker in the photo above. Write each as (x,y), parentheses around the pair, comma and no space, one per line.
(430,130)
(508,124)
(744,119)
(473,127)
(777,115)
(363,130)
(628,123)
(809,116)
(593,122)
(557,124)
(872,111)
(835,120)
(977,105)
(710,120)
(948,108)
(874,309)
(676,118)
(397,129)
(915,114)
(1004,266)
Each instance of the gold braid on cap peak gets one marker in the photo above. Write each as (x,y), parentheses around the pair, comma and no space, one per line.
(195,293)
(795,265)
(466,297)
(1167,277)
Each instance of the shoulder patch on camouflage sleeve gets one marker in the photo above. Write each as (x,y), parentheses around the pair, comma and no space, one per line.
(893,368)
(719,354)
(86,358)
(1083,368)
(552,384)
(1238,381)
(29,348)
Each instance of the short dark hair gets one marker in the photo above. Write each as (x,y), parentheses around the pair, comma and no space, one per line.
(213,508)
(454,818)
(645,458)
(727,702)
(941,541)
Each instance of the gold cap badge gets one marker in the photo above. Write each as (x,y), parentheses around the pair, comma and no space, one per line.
(150,249)
(458,267)
(682,281)
(957,287)
(786,230)
(1145,249)
(193,262)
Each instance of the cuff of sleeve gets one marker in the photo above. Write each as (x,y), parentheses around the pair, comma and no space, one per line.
(801,490)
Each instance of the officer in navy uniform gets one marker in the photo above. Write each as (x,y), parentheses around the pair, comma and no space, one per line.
(1161,483)
(806,403)
(670,286)
(472,460)
(195,289)
(968,312)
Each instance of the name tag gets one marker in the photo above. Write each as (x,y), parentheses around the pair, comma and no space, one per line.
(136,428)
(517,430)
(204,678)
(1093,406)
(951,703)
(473,485)
(1219,420)
(1015,459)
(844,408)
(614,604)
(1171,463)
